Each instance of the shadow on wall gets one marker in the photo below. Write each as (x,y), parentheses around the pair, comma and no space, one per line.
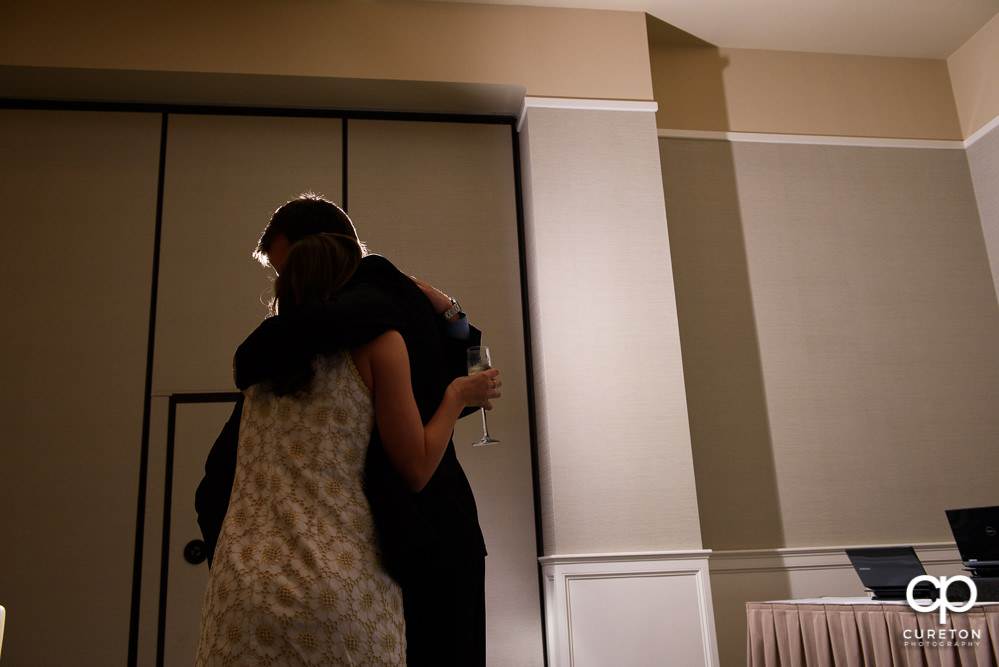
(737,494)
(730,431)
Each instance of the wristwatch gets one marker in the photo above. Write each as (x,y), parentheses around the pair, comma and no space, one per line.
(452,311)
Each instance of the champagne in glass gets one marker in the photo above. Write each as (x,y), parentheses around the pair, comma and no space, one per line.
(478,361)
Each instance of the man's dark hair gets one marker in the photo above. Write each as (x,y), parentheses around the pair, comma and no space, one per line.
(308,214)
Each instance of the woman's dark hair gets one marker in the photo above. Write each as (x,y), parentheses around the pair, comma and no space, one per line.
(317,267)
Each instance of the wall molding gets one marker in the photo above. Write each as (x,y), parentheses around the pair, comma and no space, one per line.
(584,593)
(982,131)
(758,575)
(667,595)
(816,558)
(578,104)
(811,139)
(583,104)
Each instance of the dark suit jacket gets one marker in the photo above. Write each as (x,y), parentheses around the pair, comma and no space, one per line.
(439,524)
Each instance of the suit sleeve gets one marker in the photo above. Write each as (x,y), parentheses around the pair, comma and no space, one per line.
(211,500)
(284,344)
(455,351)
(457,359)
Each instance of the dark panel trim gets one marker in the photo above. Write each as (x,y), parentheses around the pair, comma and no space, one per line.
(206,397)
(175,400)
(343,168)
(140,518)
(48,105)
(165,545)
(525,301)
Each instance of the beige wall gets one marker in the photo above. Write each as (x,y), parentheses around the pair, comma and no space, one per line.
(551,52)
(73,353)
(840,336)
(766,407)
(974,71)
(541,51)
(740,90)
(983,159)
(614,445)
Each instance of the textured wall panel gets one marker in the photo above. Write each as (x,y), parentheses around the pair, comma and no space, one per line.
(840,338)
(78,193)
(225,175)
(438,199)
(614,440)
(983,158)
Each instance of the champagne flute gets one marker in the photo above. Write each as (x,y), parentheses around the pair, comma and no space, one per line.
(478,361)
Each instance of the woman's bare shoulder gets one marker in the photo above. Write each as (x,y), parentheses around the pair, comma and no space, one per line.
(389,340)
(385,349)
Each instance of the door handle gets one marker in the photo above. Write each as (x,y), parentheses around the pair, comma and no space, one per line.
(195,552)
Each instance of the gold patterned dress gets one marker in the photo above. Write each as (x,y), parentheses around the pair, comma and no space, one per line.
(297,577)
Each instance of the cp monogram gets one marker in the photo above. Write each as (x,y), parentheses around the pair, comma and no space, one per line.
(941,603)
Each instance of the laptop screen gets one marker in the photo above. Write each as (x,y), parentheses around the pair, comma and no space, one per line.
(885,567)
(976,531)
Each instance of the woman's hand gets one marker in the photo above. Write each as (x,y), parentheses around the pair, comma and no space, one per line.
(439,299)
(474,391)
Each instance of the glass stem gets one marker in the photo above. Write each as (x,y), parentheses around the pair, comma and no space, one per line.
(485,428)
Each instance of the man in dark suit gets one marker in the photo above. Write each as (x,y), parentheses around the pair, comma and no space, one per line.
(431,540)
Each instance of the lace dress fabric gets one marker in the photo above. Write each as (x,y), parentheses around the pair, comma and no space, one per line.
(297,578)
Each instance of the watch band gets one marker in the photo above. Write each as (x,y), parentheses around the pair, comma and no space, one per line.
(452,311)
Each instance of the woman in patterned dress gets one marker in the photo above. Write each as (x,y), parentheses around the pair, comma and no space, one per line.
(297,577)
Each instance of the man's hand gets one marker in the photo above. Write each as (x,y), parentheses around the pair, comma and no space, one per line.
(439,299)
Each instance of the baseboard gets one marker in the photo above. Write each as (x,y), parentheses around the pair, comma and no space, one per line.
(629,609)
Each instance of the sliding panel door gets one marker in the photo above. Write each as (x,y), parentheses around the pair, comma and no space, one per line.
(78,218)
(439,200)
(436,198)
(224,177)
(193,423)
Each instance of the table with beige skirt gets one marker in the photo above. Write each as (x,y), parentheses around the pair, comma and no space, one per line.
(860,632)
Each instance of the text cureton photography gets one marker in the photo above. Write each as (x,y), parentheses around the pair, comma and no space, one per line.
(942,637)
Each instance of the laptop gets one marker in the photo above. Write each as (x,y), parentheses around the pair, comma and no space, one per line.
(976,531)
(887,571)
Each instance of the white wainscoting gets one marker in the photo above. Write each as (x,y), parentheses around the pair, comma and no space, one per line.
(738,577)
(635,609)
